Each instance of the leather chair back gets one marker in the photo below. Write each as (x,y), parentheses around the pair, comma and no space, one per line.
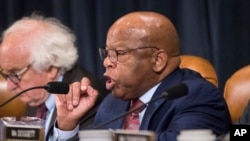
(15,108)
(200,65)
(237,92)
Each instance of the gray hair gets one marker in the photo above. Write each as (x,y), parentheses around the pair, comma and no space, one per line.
(51,44)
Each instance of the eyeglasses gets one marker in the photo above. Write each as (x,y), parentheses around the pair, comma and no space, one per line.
(113,54)
(15,77)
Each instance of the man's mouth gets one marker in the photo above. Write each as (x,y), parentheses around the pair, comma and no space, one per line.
(109,83)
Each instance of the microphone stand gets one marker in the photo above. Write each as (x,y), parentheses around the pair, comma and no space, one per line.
(38,87)
(128,112)
(51,87)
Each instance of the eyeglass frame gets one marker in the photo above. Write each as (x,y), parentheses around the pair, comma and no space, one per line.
(104,53)
(16,77)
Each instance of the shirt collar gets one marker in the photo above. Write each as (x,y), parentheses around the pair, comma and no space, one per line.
(148,95)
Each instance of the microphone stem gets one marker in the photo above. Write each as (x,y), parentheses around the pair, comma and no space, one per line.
(130,111)
(38,87)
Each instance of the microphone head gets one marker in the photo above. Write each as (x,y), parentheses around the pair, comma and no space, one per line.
(175,91)
(57,87)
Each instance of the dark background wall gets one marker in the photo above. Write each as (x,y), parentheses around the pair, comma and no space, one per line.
(217,30)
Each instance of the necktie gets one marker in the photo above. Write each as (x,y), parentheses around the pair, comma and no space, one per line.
(132,120)
(41,112)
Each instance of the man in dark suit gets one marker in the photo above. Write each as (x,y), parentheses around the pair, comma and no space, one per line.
(36,50)
(142,59)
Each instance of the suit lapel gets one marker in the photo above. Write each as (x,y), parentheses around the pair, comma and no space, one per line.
(52,121)
(173,79)
(151,109)
(117,108)
(30,111)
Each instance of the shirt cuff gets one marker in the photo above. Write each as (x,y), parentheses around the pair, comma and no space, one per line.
(60,135)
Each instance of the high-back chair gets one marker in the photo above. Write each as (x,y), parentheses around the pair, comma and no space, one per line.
(15,108)
(200,65)
(237,92)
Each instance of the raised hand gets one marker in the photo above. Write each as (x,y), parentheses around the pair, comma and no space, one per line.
(72,106)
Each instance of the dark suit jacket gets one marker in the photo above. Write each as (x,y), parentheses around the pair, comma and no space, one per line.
(76,74)
(203,107)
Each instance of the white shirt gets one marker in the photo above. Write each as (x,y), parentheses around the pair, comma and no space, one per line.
(145,98)
(50,105)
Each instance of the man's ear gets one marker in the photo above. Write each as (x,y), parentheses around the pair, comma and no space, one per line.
(160,59)
(53,72)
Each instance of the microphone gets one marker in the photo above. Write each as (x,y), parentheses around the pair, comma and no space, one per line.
(51,87)
(57,87)
(169,94)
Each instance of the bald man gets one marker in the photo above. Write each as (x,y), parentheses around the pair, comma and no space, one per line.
(142,60)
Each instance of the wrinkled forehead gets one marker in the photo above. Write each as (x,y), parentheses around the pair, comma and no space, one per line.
(127,34)
(14,43)
(13,52)
(130,33)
